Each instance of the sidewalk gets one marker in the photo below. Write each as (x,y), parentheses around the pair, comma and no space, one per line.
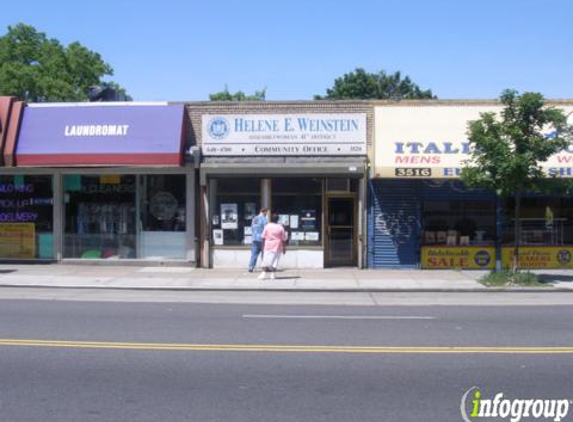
(183,278)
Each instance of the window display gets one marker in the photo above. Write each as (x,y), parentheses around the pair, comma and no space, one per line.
(99,217)
(163,217)
(458,223)
(236,203)
(26,217)
(298,202)
(544,221)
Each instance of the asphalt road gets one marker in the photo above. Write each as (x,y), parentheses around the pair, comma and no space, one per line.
(120,361)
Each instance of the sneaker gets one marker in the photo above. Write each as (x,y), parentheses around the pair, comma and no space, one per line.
(272,276)
(262,276)
(250,270)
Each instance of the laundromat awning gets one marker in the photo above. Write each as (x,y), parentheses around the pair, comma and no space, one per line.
(101,135)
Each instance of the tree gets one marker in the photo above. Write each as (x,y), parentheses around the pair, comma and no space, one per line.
(36,68)
(361,85)
(238,96)
(506,152)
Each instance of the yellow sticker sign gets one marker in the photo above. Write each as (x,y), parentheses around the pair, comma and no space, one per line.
(110,179)
(18,240)
(473,257)
(532,257)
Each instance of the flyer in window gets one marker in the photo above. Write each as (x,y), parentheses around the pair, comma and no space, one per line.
(308,219)
(284,219)
(215,220)
(218,237)
(248,231)
(248,240)
(297,235)
(312,236)
(229,216)
(250,210)
(294,221)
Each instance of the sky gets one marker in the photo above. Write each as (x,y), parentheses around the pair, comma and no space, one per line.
(179,50)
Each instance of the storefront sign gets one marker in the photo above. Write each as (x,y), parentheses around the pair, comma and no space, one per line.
(284,134)
(539,257)
(53,135)
(431,142)
(18,240)
(473,257)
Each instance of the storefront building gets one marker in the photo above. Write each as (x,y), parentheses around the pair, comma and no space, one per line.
(421,216)
(98,182)
(306,161)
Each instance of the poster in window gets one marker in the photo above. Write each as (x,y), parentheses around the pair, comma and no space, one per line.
(294,221)
(218,237)
(18,240)
(297,236)
(250,210)
(311,236)
(284,219)
(229,216)
(308,219)
(215,220)
(163,206)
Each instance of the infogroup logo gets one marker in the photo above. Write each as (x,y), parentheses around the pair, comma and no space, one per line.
(513,409)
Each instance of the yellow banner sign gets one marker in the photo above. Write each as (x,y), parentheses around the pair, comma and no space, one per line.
(18,240)
(473,257)
(539,257)
(110,179)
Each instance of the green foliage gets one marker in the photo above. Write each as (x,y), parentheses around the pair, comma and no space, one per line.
(370,86)
(36,68)
(238,96)
(507,152)
(510,278)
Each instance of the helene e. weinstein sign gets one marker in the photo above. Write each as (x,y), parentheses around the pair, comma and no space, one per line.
(284,134)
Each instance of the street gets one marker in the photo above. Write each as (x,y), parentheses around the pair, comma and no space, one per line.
(98,357)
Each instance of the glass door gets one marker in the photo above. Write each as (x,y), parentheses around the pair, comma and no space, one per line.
(341,232)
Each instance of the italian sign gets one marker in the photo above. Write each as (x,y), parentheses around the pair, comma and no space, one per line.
(458,257)
(542,257)
(284,134)
(431,141)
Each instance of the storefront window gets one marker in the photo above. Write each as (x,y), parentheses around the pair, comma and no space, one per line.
(236,202)
(26,217)
(544,221)
(100,216)
(298,202)
(458,223)
(163,216)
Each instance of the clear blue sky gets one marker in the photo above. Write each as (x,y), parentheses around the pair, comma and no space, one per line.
(184,50)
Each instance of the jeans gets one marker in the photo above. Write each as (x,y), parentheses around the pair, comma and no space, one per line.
(256,249)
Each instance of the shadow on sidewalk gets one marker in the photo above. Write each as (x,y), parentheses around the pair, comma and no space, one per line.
(552,278)
(286,277)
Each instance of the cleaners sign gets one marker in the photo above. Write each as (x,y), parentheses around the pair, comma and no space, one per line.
(284,134)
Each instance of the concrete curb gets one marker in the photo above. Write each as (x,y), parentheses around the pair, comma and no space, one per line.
(294,290)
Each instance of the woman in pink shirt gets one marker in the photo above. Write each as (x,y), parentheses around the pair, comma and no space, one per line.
(274,237)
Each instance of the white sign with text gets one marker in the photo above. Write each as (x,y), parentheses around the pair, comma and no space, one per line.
(284,134)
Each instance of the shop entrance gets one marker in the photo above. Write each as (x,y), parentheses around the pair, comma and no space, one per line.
(341,231)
